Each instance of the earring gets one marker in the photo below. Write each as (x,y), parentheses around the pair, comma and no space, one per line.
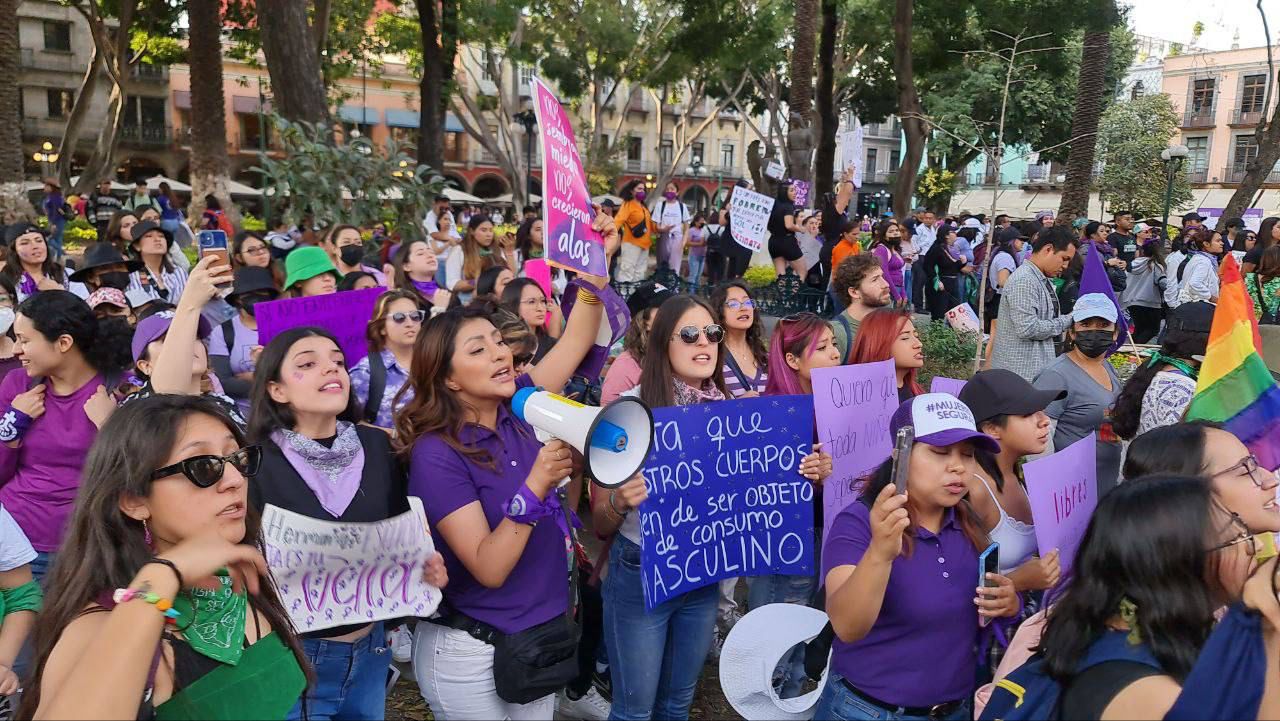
(1129,614)
(146,533)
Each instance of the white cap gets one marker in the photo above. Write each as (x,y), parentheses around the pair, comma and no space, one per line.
(751,652)
(1094,305)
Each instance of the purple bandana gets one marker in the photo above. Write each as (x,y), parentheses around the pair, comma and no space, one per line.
(27,286)
(333,474)
(426,288)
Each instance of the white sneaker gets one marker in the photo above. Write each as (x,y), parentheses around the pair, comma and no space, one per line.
(401,641)
(590,707)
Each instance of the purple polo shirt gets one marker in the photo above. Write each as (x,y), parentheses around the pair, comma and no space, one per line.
(537,590)
(922,649)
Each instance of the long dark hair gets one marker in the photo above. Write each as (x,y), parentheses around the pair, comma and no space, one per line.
(1264,231)
(1179,343)
(401,257)
(270,416)
(487,283)
(56,313)
(13,269)
(1146,542)
(104,549)
(755,334)
(628,191)
(657,384)
(1176,449)
(880,236)
(969,522)
(524,237)
(988,461)
(510,300)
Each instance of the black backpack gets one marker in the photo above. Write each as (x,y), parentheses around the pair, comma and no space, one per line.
(377,388)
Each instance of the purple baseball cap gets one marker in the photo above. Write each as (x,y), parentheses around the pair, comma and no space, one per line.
(153,328)
(940,419)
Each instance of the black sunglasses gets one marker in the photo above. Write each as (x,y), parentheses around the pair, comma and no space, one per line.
(416,316)
(204,471)
(689,334)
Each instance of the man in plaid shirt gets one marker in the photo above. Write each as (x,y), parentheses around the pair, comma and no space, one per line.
(1030,318)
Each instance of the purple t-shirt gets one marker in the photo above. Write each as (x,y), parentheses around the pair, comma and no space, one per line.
(44,470)
(245,339)
(892,264)
(537,590)
(921,649)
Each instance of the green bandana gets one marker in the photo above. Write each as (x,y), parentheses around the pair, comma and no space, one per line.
(212,621)
(1158,358)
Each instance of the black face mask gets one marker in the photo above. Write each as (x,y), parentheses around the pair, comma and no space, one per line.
(117,279)
(247,302)
(351,254)
(1093,343)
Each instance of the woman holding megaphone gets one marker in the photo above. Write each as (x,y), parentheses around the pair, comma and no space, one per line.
(505,640)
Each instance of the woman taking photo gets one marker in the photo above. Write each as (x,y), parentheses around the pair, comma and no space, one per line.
(525,298)
(899,572)
(1160,391)
(377,379)
(158,277)
(234,347)
(30,267)
(1091,384)
(346,249)
(745,368)
(309,273)
(887,247)
(163,525)
(53,412)
(784,248)
(943,267)
(486,481)
(416,267)
(325,465)
(889,334)
(478,252)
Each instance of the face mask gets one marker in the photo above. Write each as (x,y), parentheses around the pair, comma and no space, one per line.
(115,279)
(669,196)
(1093,343)
(351,254)
(6,319)
(640,195)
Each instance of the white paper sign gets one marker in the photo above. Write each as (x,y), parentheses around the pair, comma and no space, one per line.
(749,217)
(335,574)
(851,152)
(962,317)
(774,170)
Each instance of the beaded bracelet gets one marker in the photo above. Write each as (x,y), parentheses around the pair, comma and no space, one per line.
(163,605)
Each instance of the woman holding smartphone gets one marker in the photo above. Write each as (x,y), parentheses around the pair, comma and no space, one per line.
(900,572)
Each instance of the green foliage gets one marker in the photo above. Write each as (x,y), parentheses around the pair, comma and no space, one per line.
(758,276)
(350,183)
(349,45)
(249,222)
(947,352)
(935,183)
(1131,136)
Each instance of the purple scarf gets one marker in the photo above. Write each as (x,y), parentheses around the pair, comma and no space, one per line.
(426,288)
(27,286)
(333,474)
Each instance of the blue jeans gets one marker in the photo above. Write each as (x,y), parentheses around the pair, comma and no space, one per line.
(41,565)
(789,675)
(696,263)
(907,292)
(838,703)
(351,678)
(655,658)
(55,238)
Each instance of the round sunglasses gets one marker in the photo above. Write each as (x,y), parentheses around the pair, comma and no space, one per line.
(204,471)
(689,334)
(400,317)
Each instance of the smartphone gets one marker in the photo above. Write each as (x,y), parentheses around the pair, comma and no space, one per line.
(214,242)
(901,457)
(989,562)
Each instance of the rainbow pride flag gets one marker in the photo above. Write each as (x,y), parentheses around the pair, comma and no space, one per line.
(1235,388)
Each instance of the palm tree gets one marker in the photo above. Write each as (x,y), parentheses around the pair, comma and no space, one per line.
(210,167)
(1090,89)
(801,139)
(292,45)
(12,200)
(828,115)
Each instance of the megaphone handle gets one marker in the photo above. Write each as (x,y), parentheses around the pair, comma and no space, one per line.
(545,438)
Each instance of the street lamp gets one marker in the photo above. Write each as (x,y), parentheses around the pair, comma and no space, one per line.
(1173,157)
(648,183)
(46,156)
(695,169)
(528,120)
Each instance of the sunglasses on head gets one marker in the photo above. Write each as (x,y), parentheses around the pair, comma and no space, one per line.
(204,471)
(416,316)
(689,334)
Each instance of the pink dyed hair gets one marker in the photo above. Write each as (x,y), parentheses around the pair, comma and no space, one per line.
(798,335)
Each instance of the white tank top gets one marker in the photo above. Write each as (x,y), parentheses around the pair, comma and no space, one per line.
(1017,539)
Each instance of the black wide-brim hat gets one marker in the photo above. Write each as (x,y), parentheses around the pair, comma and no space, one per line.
(100,255)
(147,226)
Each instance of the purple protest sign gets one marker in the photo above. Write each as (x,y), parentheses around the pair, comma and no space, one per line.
(946,385)
(571,243)
(346,315)
(853,405)
(1063,490)
(802,193)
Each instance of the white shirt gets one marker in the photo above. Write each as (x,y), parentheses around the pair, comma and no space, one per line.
(1199,280)
(924,238)
(672,213)
(432,225)
(15,549)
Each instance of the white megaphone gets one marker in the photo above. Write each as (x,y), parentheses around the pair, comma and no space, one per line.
(614,440)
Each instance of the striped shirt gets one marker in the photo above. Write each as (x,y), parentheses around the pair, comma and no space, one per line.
(736,389)
(174,281)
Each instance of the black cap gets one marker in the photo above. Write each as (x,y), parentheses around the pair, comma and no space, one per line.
(647,295)
(147,226)
(251,278)
(1193,317)
(608,203)
(102,254)
(1193,216)
(1008,235)
(1002,392)
(17,230)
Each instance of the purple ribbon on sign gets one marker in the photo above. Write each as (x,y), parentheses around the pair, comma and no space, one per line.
(615,310)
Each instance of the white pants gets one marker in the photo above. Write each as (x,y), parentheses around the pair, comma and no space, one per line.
(454,671)
(634,264)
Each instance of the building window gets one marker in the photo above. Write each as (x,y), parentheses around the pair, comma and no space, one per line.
(1198,154)
(251,128)
(895,159)
(635,149)
(485,59)
(726,155)
(1253,88)
(1202,95)
(665,152)
(1245,150)
(454,151)
(60,102)
(404,136)
(696,154)
(526,75)
(871,160)
(57,36)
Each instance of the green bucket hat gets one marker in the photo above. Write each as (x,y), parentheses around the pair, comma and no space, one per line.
(305,263)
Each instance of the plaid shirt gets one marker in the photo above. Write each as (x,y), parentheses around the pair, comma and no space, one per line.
(1030,319)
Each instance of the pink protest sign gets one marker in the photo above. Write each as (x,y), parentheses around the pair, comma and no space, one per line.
(1063,490)
(538,270)
(566,204)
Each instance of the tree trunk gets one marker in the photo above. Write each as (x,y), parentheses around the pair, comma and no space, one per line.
(210,167)
(800,101)
(828,117)
(101,163)
(1084,126)
(11,160)
(431,88)
(297,85)
(909,108)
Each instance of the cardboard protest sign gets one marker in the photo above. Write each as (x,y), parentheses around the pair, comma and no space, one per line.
(726,497)
(963,317)
(571,243)
(853,405)
(1063,490)
(346,315)
(335,574)
(749,218)
(946,385)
